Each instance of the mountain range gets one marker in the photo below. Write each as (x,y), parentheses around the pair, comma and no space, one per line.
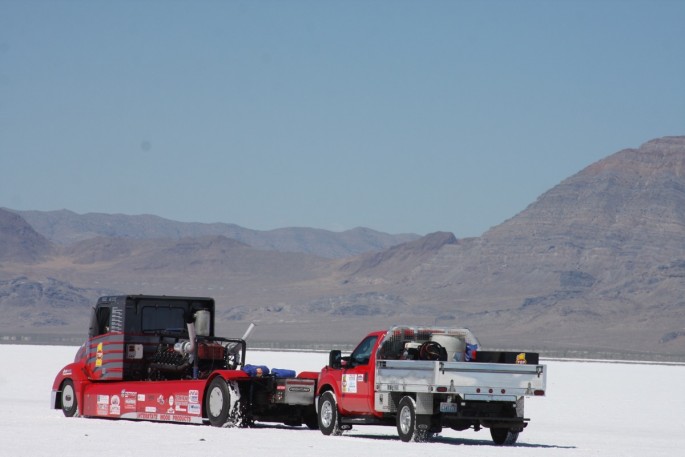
(595,267)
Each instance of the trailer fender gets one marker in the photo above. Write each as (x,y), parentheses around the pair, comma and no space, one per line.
(229,375)
(309,375)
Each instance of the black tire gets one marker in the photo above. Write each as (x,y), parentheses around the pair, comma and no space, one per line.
(406,422)
(503,436)
(218,403)
(67,399)
(328,417)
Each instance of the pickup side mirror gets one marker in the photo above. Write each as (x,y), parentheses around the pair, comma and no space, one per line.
(335,359)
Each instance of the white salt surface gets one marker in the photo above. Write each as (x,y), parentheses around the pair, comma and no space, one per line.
(591,409)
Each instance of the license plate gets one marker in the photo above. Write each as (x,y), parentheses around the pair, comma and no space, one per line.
(448,407)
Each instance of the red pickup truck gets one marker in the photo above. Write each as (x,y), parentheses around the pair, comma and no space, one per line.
(423,379)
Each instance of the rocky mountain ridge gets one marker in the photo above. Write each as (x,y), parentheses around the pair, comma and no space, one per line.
(65,227)
(594,267)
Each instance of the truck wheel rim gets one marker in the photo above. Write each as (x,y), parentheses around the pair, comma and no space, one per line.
(216,402)
(68,397)
(326,414)
(405,420)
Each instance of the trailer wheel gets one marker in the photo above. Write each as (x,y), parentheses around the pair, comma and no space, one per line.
(68,398)
(329,420)
(406,421)
(503,436)
(218,403)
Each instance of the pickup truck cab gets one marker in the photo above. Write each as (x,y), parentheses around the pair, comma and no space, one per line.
(423,379)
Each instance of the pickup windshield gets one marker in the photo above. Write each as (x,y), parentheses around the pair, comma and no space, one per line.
(362,354)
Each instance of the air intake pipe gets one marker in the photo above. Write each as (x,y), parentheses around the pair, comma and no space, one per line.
(189,347)
(248,332)
(234,348)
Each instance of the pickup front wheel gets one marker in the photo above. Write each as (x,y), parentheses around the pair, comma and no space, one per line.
(406,421)
(329,420)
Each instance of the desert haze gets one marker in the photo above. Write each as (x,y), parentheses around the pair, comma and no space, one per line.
(594,267)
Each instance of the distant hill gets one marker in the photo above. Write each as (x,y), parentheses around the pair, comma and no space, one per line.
(596,263)
(594,267)
(399,258)
(19,242)
(66,227)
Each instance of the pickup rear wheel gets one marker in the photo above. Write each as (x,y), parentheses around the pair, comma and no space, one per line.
(68,399)
(218,405)
(503,436)
(329,420)
(406,421)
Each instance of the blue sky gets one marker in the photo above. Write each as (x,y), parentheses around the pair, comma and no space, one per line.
(401,116)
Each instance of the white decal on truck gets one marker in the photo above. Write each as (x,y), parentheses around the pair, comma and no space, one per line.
(349,383)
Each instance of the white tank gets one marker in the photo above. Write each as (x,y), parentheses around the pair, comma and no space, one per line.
(202,322)
(454,346)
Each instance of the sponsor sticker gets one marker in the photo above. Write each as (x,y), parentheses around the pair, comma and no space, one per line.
(130,400)
(193,408)
(98,355)
(102,405)
(115,406)
(194,396)
(349,383)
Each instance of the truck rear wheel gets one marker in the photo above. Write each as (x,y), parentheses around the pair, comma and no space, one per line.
(220,410)
(406,421)
(68,399)
(503,436)
(329,419)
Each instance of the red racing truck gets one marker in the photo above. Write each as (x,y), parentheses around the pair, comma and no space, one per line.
(423,379)
(156,358)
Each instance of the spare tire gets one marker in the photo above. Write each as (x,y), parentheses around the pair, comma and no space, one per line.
(432,350)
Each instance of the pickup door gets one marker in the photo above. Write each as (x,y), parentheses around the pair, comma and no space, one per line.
(356,389)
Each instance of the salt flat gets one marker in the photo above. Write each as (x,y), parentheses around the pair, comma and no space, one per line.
(591,409)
